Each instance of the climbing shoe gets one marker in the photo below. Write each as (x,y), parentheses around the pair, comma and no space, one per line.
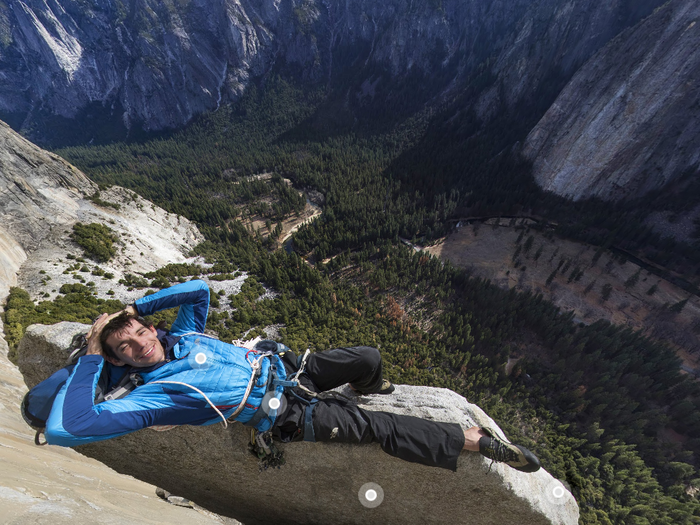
(386,388)
(502,451)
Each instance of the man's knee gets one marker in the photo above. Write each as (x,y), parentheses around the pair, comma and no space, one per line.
(369,355)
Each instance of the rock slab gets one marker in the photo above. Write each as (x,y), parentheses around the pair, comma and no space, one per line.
(320,482)
(62,487)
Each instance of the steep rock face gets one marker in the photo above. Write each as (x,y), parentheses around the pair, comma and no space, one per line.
(212,466)
(39,191)
(160,63)
(628,121)
(42,197)
(549,43)
(163,62)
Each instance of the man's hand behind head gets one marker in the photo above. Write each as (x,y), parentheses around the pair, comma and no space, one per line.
(93,335)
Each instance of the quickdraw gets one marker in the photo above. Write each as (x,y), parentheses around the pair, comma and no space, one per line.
(262,447)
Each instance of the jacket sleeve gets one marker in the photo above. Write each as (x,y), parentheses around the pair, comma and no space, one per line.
(75,419)
(193,299)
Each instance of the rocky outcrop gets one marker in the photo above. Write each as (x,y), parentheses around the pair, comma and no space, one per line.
(628,121)
(42,197)
(320,483)
(39,191)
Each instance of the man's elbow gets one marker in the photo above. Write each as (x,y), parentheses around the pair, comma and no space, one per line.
(196,284)
(58,436)
(62,438)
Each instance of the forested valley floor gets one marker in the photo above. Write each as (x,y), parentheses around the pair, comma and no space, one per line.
(592,400)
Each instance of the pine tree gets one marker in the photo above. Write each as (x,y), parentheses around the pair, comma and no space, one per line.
(589,287)
(539,251)
(678,307)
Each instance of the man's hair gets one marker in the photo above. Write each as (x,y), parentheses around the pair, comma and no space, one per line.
(117,325)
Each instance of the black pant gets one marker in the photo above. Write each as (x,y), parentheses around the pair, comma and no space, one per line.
(406,437)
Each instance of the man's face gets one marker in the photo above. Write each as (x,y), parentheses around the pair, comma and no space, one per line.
(136,345)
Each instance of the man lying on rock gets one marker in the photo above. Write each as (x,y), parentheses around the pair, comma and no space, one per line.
(188,378)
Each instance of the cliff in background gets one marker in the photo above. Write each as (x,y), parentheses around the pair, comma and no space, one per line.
(629,120)
(159,63)
(622,73)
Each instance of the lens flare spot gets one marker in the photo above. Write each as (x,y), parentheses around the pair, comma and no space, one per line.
(371,495)
(557,492)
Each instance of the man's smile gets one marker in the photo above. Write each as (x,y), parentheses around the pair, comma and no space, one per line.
(137,345)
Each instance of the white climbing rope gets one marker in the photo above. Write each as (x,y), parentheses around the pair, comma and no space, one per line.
(199,391)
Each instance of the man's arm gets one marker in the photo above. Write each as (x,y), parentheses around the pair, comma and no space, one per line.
(76,420)
(193,299)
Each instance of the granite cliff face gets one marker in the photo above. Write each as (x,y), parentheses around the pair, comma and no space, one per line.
(159,63)
(628,121)
(42,196)
(548,44)
(624,74)
(39,191)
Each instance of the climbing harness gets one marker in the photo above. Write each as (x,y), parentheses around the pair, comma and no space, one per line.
(261,443)
(309,434)
(255,365)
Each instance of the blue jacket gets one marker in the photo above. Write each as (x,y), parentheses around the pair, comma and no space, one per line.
(219,370)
